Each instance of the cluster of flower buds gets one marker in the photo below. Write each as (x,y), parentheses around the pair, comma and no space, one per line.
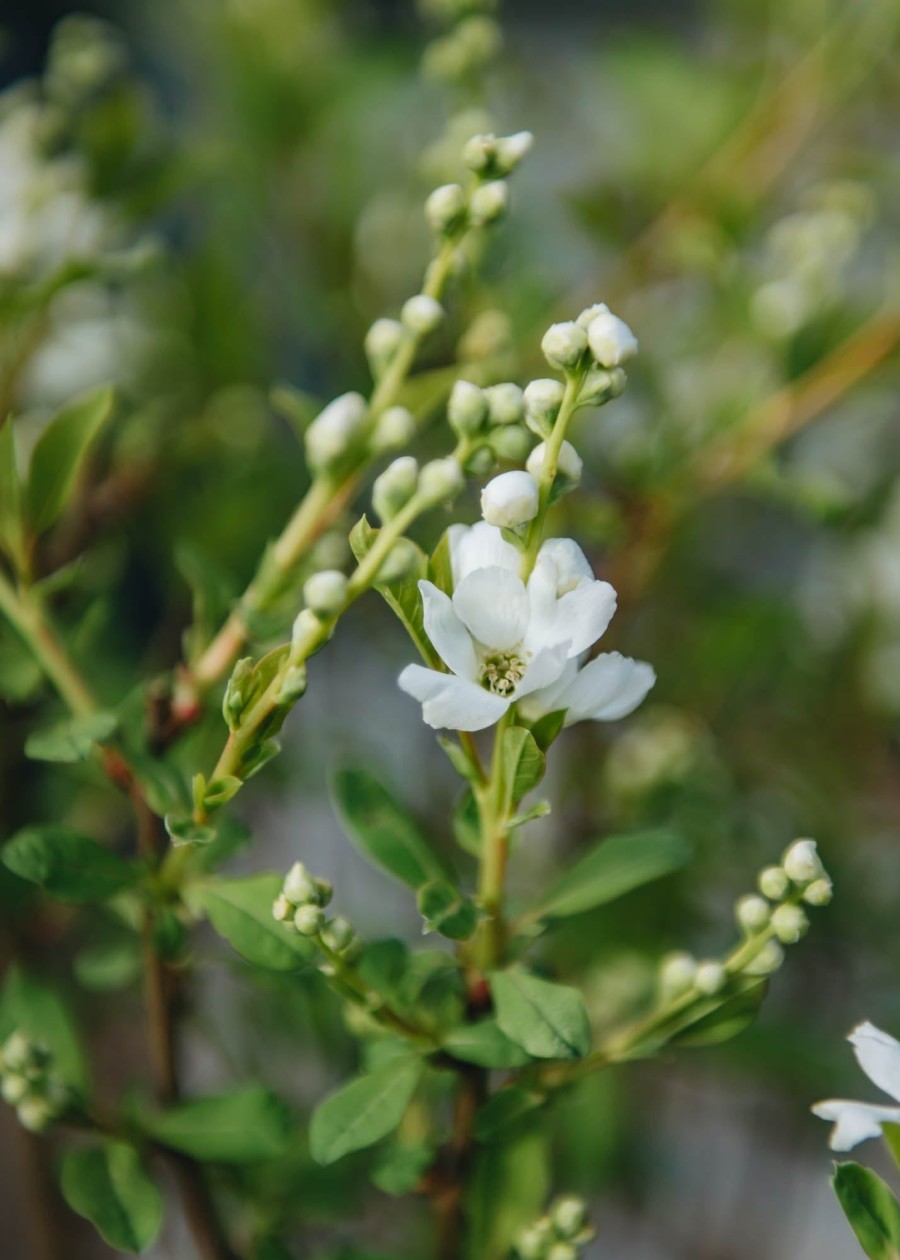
(489,423)
(301,906)
(559,1235)
(451,208)
(768,919)
(438,481)
(27,1083)
(469,47)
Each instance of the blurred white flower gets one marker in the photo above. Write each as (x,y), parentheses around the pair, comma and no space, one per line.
(879,1057)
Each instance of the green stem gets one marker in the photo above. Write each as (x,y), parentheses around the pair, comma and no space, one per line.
(553,446)
(493,808)
(26,615)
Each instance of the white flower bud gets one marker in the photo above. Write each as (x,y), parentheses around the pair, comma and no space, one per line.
(309,920)
(382,342)
(600,385)
(334,431)
(789,923)
(467,408)
(676,974)
(282,909)
(422,314)
(569,1215)
(293,685)
(504,402)
(542,399)
(773,883)
(590,313)
(569,465)
(339,935)
(489,155)
(819,892)
(401,562)
(324,892)
(489,203)
(801,862)
(752,912)
(479,153)
(441,479)
(564,344)
(306,632)
(13,1089)
(394,428)
(768,960)
(510,500)
(611,340)
(562,1251)
(532,1243)
(395,487)
(34,1114)
(511,442)
(445,208)
(484,460)
(326,592)
(16,1053)
(710,977)
(299,886)
(510,150)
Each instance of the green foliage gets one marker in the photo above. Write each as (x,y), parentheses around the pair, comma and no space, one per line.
(37,1009)
(485,1045)
(447,911)
(66,864)
(383,830)
(72,739)
(111,1188)
(364,1111)
(245,1126)
(523,762)
(548,1020)
(241,911)
(509,1185)
(871,1209)
(59,454)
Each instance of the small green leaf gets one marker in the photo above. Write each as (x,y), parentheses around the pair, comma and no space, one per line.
(183,830)
(723,1017)
(72,739)
(871,1209)
(458,758)
(59,453)
(440,567)
(363,1112)
(484,1044)
(221,791)
(546,728)
(505,1109)
(613,868)
(540,809)
(110,1187)
(523,762)
(466,824)
(383,830)
(401,1167)
(446,910)
(241,911)
(105,968)
(546,1019)
(10,493)
(243,1127)
(68,865)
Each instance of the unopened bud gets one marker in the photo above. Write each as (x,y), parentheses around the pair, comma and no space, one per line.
(710,977)
(801,862)
(562,1251)
(767,961)
(305,633)
(819,892)
(467,408)
(309,920)
(441,479)
(339,935)
(510,500)
(34,1114)
(383,340)
(601,385)
(335,430)
(564,344)
(752,912)
(511,442)
(445,208)
(676,974)
(510,150)
(569,1215)
(489,203)
(773,883)
(395,487)
(611,340)
(789,923)
(542,399)
(326,593)
(324,892)
(282,909)
(569,464)
(16,1052)
(394,429)
(422,314)
(299,886)
(504,402)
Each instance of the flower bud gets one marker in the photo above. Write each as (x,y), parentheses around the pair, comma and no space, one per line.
(676,974)
(510,150)
(13,1089)
(441,479)
(394,429)
(611,340)
(601,385)
(489,203)
(326,592)
(768,960)
(532,1244)
(542,400)
(383,340)
(773,883)
(282,909)
(445,208)
(16,1053)
(752,912)
(510,500)
(511,442)
(789,923)
(305,633)
(819,892)
(569,463)
(710,977)
(34,1114)
(569,1215)
(309,920)
(334,431)
(293,685)
(339,935)
(422,314)
(504,402)
(564,344)
(400,563)
(324,892)
(801,862)
(562,1251)
(484,460)
(467,408)
(299,886)
(479,154)
(590,313)
(395,487)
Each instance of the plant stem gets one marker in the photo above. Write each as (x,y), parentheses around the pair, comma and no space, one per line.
(26,615)
(552,448)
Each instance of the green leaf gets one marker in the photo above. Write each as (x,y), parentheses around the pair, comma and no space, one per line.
(110,1187)
(546,1019)
(523,762)
(613,868)
(10,492)
(38,1011)
(221,791)
(723,1017)
(505,1109)
(401,1167)
(183,830)
(446,910)
(59,453)
(440,567)
(68,865)
(484,1044)
(241,911)
(871,1209)
(383,830)
(509,1187)
(72,739)
(466,824)
(458,758)
(105,968)
(546,728)
(243,1127)
(363,1112)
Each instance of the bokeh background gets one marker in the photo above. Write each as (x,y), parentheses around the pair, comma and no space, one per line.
(242,181)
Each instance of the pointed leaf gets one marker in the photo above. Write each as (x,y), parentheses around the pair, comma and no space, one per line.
(871,1209)
(241,911)
(110,1187)
(363,1112)
(523,762)
(59,453)
(546,1019)
(613,868)
(71,740)
(484,1044)
(383,830)
(446,910)
(68,865)
(243,1127)
(10,493)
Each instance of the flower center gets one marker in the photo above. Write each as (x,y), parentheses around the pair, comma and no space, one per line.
(502,673)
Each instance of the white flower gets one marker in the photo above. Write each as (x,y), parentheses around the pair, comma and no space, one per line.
(879,1057)
(511,499)
(611,340)
(502,640)
(605,689)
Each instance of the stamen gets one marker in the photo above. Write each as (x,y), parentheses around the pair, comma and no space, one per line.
(502,674)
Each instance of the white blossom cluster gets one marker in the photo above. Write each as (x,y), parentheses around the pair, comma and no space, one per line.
(559,1235)
(27,1082)
(301,906)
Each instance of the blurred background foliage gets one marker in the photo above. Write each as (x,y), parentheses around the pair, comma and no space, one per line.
(221,196)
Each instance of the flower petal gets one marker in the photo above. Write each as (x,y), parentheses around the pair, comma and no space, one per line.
(447,633)
(854,1121)
(879,1057)
(572,565)
(609,687)
(581,615)
(451,703)
(492,603)
(479,546)
(549,699)
(543,670)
